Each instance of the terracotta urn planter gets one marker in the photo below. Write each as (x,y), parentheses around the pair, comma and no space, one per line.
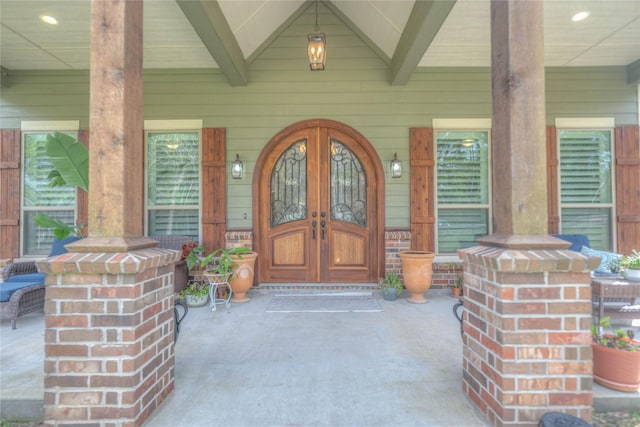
(417,267)
(242,279)
(616,369)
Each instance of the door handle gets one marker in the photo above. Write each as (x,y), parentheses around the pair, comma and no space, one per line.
(322,224)
(314,223)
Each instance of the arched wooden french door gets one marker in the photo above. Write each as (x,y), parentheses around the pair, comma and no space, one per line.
(319,213)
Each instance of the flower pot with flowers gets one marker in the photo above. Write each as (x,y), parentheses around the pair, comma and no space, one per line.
(616,358)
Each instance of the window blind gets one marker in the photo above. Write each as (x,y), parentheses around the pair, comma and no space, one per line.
(585,166)
(586,193)
(173,183)
(38,197)
(462,188)
(36,169)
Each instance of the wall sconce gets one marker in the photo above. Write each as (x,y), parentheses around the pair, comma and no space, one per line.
(396,167)
(316,47)
(237,168)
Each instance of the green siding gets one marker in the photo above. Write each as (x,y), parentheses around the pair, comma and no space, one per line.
(354,89)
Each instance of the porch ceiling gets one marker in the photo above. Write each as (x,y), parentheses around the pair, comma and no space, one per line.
(229,34)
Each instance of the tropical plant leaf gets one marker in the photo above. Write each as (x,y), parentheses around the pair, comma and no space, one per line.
(55,180)
(70,158)
(60,229)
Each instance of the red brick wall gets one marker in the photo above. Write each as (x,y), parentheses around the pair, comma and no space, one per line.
(239,238)
(394,243)
(527,340)
(109,323)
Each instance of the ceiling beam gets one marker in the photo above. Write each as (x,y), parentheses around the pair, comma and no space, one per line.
(209,22)
(633,72)
(358,32)
(424,23)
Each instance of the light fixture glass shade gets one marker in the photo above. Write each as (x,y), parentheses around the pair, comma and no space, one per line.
(237,168)
(316,51)
(396,167)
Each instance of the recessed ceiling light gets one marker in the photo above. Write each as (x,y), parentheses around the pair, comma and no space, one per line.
(580,16)
(49,19)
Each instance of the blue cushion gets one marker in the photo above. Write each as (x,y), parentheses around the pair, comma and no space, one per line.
(609,261)
(577,241)
(29,277)
(7,288)
(57,248)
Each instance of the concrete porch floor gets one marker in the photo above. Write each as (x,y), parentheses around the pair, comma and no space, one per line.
(243,366)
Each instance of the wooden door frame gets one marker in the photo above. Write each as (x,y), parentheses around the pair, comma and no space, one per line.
(373,158)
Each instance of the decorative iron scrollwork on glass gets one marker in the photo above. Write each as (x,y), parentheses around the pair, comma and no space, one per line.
(348,186)
(289,185)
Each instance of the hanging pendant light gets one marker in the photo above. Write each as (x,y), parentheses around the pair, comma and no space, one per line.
(316,47)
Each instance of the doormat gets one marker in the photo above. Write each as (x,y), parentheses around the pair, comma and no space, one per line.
(339,302)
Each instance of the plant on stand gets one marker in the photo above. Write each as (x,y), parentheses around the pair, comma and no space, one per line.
(233,266)
(616,357)
(391,287)
(630,266)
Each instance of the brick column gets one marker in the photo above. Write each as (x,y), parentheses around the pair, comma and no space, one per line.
(527,340)
(109,336)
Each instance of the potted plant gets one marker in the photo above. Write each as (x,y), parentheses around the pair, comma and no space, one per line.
(616,358)
(233,266)
(192,254)
(630,266)
(456,290)
(391,287)
(417,269)
(196,294)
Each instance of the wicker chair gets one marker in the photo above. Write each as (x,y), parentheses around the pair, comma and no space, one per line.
(23,287)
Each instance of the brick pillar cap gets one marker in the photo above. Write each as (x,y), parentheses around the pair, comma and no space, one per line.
(524,241)
(111,244)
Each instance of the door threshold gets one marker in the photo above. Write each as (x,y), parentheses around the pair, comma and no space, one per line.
(370,286)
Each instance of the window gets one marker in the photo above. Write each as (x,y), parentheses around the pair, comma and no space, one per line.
(463,200)
(586,187)
(38,197)
(173,183)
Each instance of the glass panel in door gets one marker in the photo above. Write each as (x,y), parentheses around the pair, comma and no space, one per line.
(348,186)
